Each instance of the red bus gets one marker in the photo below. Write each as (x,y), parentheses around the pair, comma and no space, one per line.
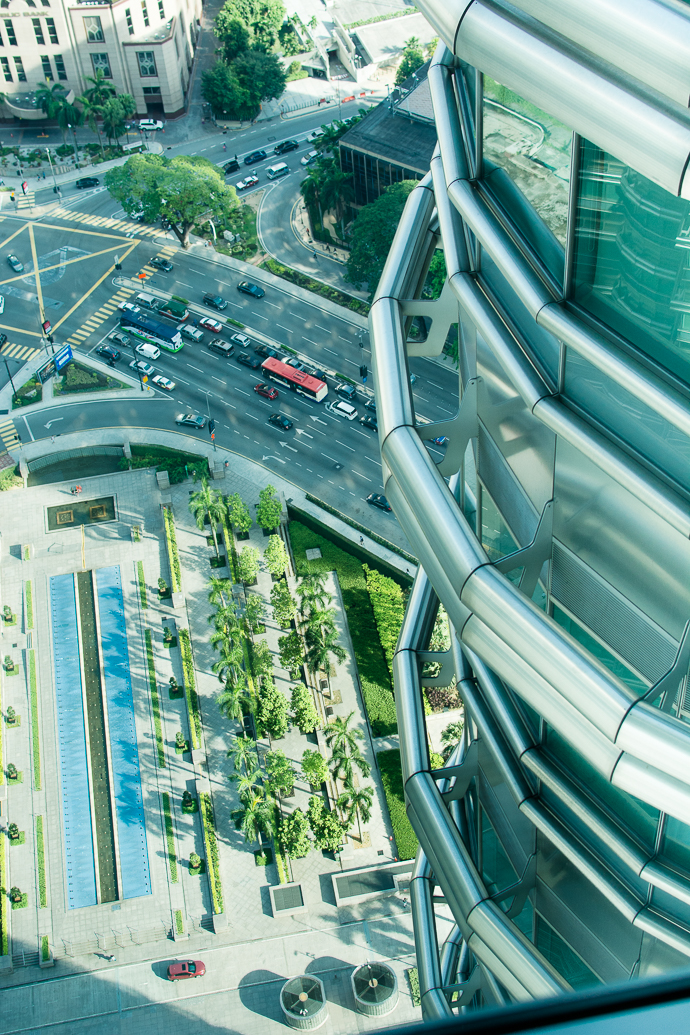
(295,380)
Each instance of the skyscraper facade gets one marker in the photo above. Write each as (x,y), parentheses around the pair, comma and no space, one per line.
(555,529)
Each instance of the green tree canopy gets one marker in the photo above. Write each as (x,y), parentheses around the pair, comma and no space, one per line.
(207,503)
(280,772)
(314,768)
(291,651)
(276,556)
(284,607)
(255,611)
(326,827)
(293,835)
(238,512)
(235,35)
(412,59)
(271,710)
(185,189)
(248,564)
(269,509)
(303,712)
(261,19)
(261,75)
(222,89)
(372,235)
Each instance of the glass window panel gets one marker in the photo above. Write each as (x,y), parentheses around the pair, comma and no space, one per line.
(497,870)
(130,24)
(10,32)
(161,10)
(147,63)
(631,264)
(562,957)
(497,538)
(5,62)
(47,70)
(52,31)
(145,12)
(533,148)
(101,62)
(93,29)
(675,846)
(19,65)
(38,31)
(600,652)
(60,66)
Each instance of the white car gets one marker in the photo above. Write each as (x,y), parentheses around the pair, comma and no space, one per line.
(150,124)
(150,351)
(2,303)
(342,409)
(193,333)
(311,157)
(145,368)
(315,134)
(163,382)
(129,307)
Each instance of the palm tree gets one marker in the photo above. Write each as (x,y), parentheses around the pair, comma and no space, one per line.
(229,664)
(256,815)
(227,620)
(339,736)
(243,753)
(320,645)
(320,618)
(312,592)
(233,699)
(100,89)
(91,112)
(342,763)
(207,502)
(249,783)
(49,98)
(356,802)
(220,590)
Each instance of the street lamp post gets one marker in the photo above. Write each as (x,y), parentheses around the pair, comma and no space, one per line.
(52,170)
(14,390)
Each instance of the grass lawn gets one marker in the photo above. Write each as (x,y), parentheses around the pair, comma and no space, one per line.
(391,777)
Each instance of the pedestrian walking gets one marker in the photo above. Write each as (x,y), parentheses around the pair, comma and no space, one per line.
(52,438)
(225,146)
(361,540)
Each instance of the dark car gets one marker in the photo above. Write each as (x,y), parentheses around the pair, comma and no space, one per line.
(248,361)
(375,499)
(3,339)
(247,288)
(161,264)
(284,146)
(214,301)
(86,181)
(266,351)
(14,262)
(254,157)
(315,372)
(232,166)
(371,405)
(192,420)
(278,421)
(109,351)
(181,969)
(369,422)
(348,392)
(266,390)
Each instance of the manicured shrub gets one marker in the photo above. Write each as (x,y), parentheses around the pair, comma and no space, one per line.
(391,778)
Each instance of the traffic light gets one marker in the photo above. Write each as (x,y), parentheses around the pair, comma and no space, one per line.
(211,427)
(363,372)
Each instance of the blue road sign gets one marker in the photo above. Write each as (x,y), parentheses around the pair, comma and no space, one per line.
(63,357)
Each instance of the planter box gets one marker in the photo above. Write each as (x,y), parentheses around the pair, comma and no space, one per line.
(220,922)
(178,600)
(50,962)
(6,966)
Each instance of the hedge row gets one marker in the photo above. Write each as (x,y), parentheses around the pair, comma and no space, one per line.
(155,700)
(41,861)
(33,701)
(302,280)
(190,687)
(212,860)
(29,604)
(142,585)
(388,604)
(371,662)
(391,778)
(173,555)
(170,837)
(4,901)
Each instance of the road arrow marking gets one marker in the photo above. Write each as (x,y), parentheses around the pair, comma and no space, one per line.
(286,446)
(312,417)
(54,421)
(300,432)
(278,458)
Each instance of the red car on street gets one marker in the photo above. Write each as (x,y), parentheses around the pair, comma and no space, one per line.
(265,390)
(181,969)
(210,325)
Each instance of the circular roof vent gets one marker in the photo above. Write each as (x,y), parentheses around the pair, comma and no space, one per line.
(303,1002)
(375,989)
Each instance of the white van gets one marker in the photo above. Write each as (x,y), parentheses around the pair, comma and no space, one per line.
(274,171)
(342,409)
(147,301)
(150,351)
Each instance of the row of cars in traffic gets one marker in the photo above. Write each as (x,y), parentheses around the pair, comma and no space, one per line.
(274,172)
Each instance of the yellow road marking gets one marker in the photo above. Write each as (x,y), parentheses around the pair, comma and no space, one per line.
(37,274)
(94,286)
(69,262)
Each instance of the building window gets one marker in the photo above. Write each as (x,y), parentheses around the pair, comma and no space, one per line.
(152,91)
(52,32)
(145,12)
(47,70)
(161,10)
(147,63)
(93,29)
(130,23)
(19,65)
(60,66)
(5,62)
(101,62)
(46,3)
(10,32)
(39,31)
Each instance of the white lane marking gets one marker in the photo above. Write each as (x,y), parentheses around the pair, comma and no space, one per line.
(310,341)
(195,368)
(433,383)
(218,379)
(362,433)
(288,329)
(322,328)
(346,447)
(329,458)
(345,339)
(330,350)
(371,460)
(250,415)
(196,271)
(272,304)
(242,391)
(361,475)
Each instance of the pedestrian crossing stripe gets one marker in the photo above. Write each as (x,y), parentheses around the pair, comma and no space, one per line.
(8,433)
(23,352)
(26,200)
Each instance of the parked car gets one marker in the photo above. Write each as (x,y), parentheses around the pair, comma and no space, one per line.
(342,409)
(314,135)
(375,499)
(267,391)
(129,307)
(210,325)
(181,969)
(193,333)
(240,339)
(310,157)
(369,422)
(163,382)
(279,421)
(247,360)
(247,288)
(347,391)
(120,339)
(110,352)
(214,301)
(148,125)
(161,264)
(14,262)
(266,351)
(247,182)
(254,157)
(284,146)
(191,420)
(142,366)
(232,166)
(87,181)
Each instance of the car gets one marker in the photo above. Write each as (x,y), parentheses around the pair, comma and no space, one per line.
(14,262)
(193,333)
(87,181)
(192,420)
(267,391)
(214,301)
(110,352)
(309,158)
(240,339)
(369,422)
(247,288)
(247,182)
(120,339)
(163,382)
(442,440)
(315,134)
(247,360)
(254,157)
(342,409)
(375,499)
(144,368)
(284,146)
(2,304)
(182,969)
(150,125)
(278,421)
(161,264)
(320,375)
(292,362)
(129,307)
(371,405)
(146,349)
(232,166)
(266,351)
(210,325)
(347,391)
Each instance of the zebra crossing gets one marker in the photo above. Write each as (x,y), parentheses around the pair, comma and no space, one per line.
(106,223)
(8,433)
(25,200)
(25,353)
